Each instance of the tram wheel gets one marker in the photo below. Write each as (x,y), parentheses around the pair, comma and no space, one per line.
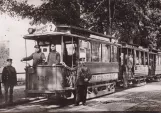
(30,95)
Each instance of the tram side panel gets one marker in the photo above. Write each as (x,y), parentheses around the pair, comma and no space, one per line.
(57,81)
(104,77)
(45,80)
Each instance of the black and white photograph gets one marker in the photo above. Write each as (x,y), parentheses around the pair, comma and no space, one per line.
(80,55)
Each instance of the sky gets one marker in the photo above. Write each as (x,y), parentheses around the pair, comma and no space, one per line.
(13,30)
(33,2)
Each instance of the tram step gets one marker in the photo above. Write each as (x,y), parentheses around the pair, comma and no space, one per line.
(139,84)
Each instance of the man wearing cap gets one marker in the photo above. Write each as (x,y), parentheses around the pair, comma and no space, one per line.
(9,79)
(53,57)
(82,79)
(38,57)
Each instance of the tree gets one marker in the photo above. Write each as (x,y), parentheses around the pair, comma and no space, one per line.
(56,11)
(136,21)
(132,20)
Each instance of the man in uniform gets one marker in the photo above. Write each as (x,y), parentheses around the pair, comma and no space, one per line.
(53,57)
(82,79)
(130,65)
(9,80)
(127,69)
(38,57)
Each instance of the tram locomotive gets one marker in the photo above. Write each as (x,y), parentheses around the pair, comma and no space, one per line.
(107,61)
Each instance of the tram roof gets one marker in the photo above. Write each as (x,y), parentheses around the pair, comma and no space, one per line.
(139,48)
(68,31)
(38,36)
(136,48)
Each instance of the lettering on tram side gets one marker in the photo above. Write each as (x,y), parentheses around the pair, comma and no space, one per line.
(104,77)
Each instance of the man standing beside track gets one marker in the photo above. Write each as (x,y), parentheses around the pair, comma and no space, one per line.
(82,79)
(9,79)
(127,69)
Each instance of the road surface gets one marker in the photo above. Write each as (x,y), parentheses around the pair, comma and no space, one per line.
(143,98)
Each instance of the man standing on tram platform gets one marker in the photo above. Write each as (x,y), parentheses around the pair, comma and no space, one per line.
(82,79)
(127,69)
(38,57)
(53,57)
(9,80)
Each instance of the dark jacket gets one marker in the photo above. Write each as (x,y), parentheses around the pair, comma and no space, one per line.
(53,58)
(37,58)
(9,75)
(82,73)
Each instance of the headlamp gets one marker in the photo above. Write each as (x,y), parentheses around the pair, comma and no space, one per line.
(31,30)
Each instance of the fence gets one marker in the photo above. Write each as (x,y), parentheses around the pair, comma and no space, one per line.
(20,78)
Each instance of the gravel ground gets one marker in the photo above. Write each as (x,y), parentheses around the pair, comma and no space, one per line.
(143,98)
(18,93)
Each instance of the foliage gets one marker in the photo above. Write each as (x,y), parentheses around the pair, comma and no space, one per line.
(132,20)
(137,21)
(56,11)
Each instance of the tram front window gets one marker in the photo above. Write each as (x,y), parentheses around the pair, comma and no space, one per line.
(46,48)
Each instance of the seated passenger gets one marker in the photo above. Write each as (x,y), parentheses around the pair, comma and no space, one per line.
(53,57)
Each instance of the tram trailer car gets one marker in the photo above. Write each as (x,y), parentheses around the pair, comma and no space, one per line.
(133,65)
(138,65)
(155,66)
(72,43)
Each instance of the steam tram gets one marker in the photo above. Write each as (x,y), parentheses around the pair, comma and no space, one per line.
(100,54)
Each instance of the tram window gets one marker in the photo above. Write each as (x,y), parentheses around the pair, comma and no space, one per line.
(100,53)
(146,58)
(43,43)
(157,60)
(142,58)
(85,50)
(137,58)
(113,54)
(95,52)
(44,49)
(105,53)
(160,59)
